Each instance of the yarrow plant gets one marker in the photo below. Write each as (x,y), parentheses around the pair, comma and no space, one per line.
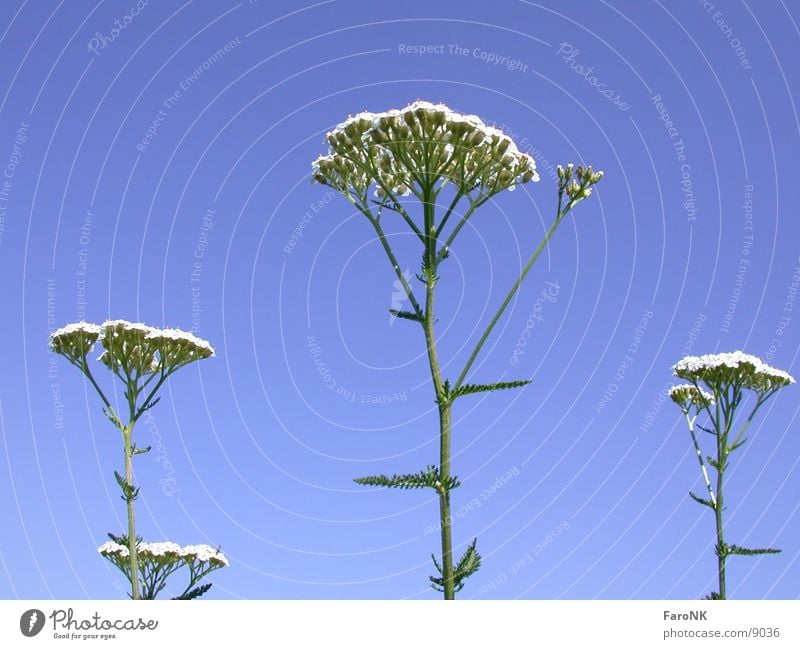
(143,358)
(717,386)
(157,561)
(427,153)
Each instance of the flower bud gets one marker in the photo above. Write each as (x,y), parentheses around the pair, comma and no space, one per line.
(438,118)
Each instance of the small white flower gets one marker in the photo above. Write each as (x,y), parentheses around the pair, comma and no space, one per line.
(750,371)
(195,344)
(127,325)
(83,327)
(109,547)
(158,549)
(204,553)
(75,340)
(374,148)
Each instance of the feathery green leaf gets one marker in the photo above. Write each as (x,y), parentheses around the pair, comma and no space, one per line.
(748,552)
(471,388)
(702,501)
(406,315)
(195,592)
(468,565)
(430,477)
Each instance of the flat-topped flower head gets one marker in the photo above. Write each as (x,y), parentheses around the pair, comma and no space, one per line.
(112,549)
(176,347)
(75,341)
(136,347)
(162,549)
(718,371)
(688,396)
(204,554)
(422,145)
(125,347)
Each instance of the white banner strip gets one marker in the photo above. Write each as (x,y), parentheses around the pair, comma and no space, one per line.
(390,624)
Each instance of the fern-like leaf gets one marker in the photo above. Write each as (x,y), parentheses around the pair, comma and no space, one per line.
(468,565)
(129,493)
(112,417)
(430,477)
(406,315)
(445,395)
(748,552)
(150,405)
(737,445)
(139,451)
(195,592)
(428,274)
(702,501)
(472,388)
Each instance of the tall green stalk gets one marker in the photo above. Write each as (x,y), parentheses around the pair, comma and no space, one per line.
(716,389)
(134,555)
(418,151)
(722,555)
(142,358)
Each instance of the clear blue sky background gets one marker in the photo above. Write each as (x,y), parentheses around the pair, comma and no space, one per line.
(255,450)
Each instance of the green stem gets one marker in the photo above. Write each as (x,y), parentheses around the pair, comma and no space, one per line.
(444,406)
(761,400)
(721,554)
(449,242)
(393,260)
(690,422)
(134,556)
(84,367)
(444,502)
(514,289)
(721,424)
(444,445)
(453,203)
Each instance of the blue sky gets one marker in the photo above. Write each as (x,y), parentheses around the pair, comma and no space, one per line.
(158,170)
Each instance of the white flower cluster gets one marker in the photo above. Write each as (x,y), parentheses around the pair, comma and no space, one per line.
(109,547)
(159,549)
(401,151)
(75,340)
(202,553)
(178,335)
(148,349)
(205,553)
(731,367)
(688,395)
